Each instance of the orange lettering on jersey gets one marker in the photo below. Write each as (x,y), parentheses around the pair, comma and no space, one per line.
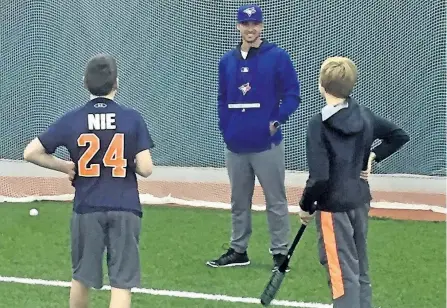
(92,141)
(114,156)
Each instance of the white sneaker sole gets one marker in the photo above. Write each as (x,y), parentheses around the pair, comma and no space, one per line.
(228,265)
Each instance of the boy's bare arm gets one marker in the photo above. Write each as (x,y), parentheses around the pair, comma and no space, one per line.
(144,164)
(36,154)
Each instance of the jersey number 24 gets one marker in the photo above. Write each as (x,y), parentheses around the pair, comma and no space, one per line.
(113,158)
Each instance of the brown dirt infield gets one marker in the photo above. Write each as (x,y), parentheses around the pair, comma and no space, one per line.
(35,186)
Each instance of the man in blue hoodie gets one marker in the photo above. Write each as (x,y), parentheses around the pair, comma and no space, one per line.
(258,92)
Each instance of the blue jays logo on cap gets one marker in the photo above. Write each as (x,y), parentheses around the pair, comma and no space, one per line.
(251,12)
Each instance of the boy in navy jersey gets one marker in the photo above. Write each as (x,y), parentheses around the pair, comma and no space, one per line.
(108,145)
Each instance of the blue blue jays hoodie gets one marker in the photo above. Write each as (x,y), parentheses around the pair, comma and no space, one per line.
(253,92)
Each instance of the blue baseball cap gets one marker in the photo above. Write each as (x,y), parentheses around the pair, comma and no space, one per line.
(250,12)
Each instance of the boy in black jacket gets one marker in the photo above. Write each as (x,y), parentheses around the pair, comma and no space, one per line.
(339,157)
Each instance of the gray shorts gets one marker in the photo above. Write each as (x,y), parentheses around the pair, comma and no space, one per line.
(117,233)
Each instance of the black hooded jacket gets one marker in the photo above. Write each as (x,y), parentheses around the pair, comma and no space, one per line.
(338,144)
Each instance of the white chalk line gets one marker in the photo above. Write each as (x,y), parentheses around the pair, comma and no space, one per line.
(150,199)
(170,293)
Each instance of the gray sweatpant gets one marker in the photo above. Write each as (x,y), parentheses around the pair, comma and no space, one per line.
(269,168)
(342,243)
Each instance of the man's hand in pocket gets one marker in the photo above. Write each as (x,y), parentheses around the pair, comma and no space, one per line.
(274,127)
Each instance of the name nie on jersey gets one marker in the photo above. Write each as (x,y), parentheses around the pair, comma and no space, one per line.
(101,121)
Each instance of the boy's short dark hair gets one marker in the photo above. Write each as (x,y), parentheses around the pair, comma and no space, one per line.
(100,76)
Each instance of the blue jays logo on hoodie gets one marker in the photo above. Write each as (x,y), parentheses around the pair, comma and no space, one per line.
(245,88)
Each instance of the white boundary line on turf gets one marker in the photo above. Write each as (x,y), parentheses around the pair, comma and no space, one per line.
(150,199)
(170,293)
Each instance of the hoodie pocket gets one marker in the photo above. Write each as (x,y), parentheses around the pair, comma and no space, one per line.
(247,131)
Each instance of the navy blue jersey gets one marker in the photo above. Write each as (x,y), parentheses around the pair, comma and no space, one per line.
(103,139)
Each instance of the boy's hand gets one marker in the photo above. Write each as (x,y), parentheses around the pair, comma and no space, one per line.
(70,170)
(305,217)
(365,173)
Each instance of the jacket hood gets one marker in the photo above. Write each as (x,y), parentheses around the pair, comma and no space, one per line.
(266,46)
(345,118)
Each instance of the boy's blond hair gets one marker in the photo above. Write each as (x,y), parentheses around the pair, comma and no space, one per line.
(338,75)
